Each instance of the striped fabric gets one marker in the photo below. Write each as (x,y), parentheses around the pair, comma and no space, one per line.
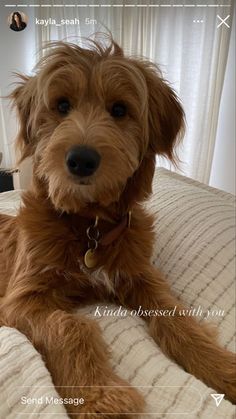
(9,202)
(23,374)
(195,248)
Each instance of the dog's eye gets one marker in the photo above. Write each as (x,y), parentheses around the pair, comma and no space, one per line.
(63,106)
(118,110)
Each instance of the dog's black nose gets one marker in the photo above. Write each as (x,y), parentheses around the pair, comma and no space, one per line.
(82,160)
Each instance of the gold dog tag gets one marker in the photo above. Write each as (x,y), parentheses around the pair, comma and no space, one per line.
(90,259)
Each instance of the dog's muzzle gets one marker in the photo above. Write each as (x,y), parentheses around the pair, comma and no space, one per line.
(82,161)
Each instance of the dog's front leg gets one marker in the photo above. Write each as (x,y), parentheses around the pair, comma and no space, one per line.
(182,338)
(76,356)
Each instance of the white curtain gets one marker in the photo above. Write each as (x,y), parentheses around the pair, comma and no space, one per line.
(4,146)
(186,43)
(17,55)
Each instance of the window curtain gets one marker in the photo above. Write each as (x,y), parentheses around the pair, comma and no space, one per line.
(4,146)
(187,44)
(17,52)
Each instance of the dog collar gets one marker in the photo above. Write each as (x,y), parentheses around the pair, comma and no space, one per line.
(95,239)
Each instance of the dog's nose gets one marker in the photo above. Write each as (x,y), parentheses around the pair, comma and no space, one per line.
(82,160)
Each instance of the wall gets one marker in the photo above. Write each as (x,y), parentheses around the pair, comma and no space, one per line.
(17,52)
(223,168)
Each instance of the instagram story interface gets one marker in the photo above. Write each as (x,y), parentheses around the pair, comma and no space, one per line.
(117,222)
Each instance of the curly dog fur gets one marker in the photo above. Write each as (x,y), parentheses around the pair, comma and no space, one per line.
(122,109)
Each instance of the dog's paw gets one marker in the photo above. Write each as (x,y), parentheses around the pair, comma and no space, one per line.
(230,390)
(226,372)
(229,382)
(114,401)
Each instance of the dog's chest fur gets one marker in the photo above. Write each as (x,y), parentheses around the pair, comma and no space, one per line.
(99,277)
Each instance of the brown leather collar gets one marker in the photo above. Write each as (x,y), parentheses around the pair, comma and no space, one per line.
(115,233)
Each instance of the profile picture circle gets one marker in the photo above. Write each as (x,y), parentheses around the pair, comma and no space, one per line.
(17,21)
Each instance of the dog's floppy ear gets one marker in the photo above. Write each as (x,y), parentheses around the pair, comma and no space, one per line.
(166,115)
(23,98)
(117,50)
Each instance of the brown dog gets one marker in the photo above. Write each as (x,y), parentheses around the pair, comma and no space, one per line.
(93,120)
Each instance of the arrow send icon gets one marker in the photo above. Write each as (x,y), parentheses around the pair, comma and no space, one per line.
(218,398)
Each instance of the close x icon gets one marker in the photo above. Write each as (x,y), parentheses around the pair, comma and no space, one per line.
(223,21)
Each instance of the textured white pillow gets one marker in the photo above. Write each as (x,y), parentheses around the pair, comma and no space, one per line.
(195,246)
